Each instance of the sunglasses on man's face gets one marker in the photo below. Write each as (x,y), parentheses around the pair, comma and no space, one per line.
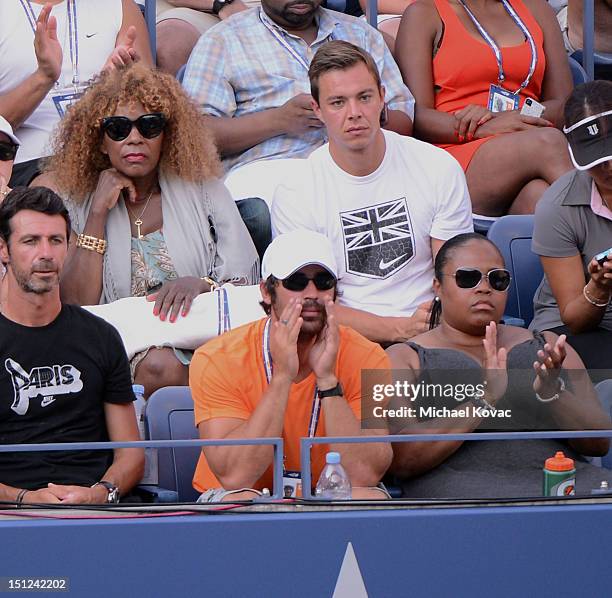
(324,281)
(149,126)
(469,278)
(8,150)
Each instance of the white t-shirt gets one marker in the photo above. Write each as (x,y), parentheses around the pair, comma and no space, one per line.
(98,24)
(380,225)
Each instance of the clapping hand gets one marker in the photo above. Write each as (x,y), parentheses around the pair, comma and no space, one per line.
(47,48)
(547,368)
(495,364)
(124,53)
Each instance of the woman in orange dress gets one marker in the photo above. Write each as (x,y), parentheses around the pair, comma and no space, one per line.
(446,52)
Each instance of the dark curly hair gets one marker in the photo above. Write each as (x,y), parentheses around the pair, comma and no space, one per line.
(188,149)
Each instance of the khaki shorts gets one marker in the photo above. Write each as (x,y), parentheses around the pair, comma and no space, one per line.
(202,21)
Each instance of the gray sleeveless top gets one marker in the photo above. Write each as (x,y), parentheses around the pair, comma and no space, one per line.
(499,468)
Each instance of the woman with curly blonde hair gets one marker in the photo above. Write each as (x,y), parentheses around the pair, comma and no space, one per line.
(137,168)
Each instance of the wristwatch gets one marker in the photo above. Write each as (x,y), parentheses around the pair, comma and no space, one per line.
(113,491)
(218,5)
(336,391)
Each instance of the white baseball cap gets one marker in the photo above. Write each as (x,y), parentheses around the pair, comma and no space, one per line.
(293,250)
(6,128)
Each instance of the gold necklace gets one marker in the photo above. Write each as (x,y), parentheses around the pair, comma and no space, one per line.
(138,221)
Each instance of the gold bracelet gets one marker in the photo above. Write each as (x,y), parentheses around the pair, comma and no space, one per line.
(592,300)
(211,281)
(91,243)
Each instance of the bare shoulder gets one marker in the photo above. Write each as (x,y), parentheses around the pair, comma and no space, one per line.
(423,11)
(46,179)
(402,356)
(541,10)
(513,335)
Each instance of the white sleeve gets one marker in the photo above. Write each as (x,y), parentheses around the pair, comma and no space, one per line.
(453,205)
(291,209)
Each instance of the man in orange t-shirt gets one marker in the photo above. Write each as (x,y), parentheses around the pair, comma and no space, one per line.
(260,380)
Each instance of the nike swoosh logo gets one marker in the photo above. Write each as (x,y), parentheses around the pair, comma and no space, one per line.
(47,401)
(384,265)
(88,35)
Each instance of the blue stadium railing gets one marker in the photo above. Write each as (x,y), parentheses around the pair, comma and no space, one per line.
(307,443)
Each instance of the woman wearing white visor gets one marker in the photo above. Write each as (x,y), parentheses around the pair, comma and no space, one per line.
(573,234)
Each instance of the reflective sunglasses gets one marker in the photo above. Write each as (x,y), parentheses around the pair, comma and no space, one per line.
(469,278)
(149,126)
(324,281)
(8,150)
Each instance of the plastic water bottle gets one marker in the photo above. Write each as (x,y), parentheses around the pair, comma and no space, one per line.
(334,483)
(139,405)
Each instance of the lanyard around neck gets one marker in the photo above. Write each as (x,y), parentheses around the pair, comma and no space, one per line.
(496,50)
(71,9)
(315,411)
(223,313)
(282,41)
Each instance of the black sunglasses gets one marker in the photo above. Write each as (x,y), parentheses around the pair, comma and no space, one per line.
(119,127)
(469,278)
(324,281)
(8,150)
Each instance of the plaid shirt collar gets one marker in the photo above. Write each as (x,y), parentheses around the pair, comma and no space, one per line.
(325,21)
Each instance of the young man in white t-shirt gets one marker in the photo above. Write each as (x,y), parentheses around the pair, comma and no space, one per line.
(386,202)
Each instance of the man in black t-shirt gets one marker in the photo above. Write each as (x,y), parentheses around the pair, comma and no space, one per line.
(64,374)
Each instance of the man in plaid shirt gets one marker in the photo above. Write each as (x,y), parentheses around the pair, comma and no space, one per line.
(250,75)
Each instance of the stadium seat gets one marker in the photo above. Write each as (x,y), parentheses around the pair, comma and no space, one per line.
(512,235)
(603,63)
(482,224)
(168,415)
(579,75)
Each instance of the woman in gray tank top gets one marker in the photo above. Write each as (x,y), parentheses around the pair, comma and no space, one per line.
(509,379)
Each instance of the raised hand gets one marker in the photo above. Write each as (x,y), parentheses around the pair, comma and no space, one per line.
(284,332)
(47,48)
(495,366)
(324,352)
(124,54)
(547,368)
